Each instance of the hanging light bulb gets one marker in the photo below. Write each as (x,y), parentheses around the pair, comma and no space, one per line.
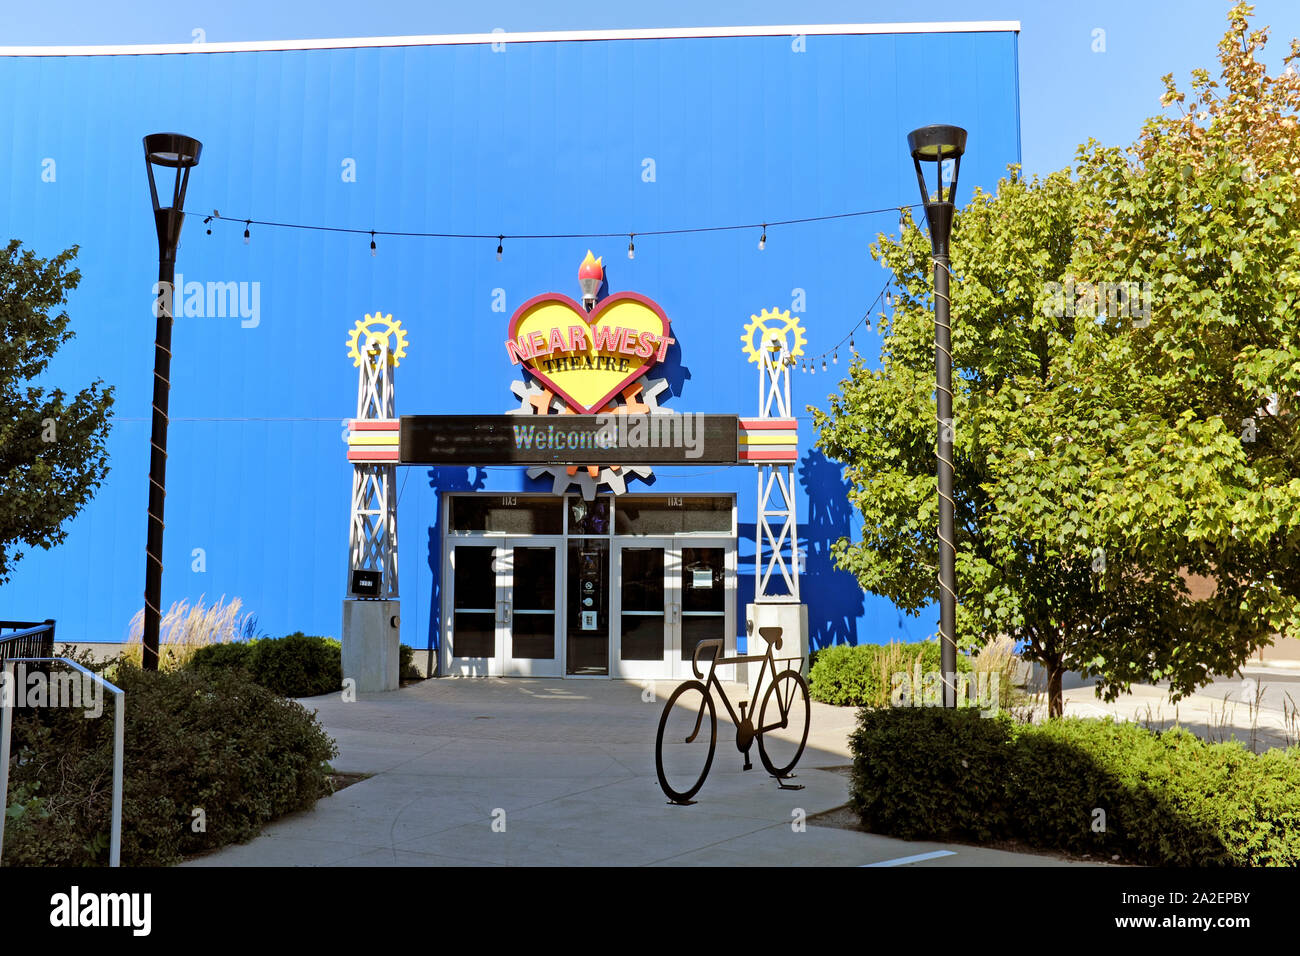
(823,363)
(762,240)
(813,369)
(835,358)
(247,223)
(889,299)
(631,245)
(501,241)
(902,219)
(372,242)
(911,260)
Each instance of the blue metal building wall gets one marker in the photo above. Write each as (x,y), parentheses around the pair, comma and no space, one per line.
(538,138)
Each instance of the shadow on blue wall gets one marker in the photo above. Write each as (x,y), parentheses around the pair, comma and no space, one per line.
(835,600)
(440,480)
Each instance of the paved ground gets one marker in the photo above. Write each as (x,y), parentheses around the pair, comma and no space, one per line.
(1259,707)
(569,767)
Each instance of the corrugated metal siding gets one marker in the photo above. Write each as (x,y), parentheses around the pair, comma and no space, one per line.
(539,138)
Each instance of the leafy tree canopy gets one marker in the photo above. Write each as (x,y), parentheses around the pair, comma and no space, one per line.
(52,445)
(1126,379)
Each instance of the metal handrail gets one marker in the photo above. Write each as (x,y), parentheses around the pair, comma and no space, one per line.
(119,744)
(29,639)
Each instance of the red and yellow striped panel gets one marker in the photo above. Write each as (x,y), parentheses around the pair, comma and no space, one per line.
(769,440)
(373,441)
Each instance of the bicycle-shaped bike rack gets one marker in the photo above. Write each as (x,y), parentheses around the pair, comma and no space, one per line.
(785,708)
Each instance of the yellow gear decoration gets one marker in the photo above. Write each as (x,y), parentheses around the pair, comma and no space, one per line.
(374,327)
(773,328)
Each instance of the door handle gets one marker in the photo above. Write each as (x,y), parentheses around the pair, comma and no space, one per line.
(675,613)
(505,612)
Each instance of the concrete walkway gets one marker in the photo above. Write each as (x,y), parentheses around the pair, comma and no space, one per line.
(1260,707)
(565,770)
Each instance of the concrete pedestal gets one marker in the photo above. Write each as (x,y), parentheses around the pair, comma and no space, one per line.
(793,621)
(371,644)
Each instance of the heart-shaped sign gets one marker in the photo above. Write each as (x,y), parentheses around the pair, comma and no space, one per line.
(587,358)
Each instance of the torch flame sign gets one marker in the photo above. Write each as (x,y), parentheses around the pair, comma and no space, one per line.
(590,276)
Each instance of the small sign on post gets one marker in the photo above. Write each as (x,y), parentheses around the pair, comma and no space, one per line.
(366,583)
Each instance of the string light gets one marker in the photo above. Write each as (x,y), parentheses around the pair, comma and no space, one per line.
(834,351)
(501,240)
(762,240)
(889,300)
(588,235)
(372,243)
(631,245)
(247,223)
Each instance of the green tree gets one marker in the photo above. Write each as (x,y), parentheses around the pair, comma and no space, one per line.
(52,446)
(1101,447)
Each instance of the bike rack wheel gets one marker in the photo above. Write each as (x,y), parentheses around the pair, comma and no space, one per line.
(790,685)
(684,796)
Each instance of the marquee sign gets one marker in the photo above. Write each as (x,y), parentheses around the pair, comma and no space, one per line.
(687,439)
(587,358)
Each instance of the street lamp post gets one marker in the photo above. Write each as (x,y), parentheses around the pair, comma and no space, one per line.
(181,154)
(937,144)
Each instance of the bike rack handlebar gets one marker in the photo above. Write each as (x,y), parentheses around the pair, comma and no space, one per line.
(772,635)
(695,658)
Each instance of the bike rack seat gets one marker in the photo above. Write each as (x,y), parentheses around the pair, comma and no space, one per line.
(772,635)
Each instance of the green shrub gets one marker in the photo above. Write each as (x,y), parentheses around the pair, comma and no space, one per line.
(298,665)
(861,675)
(292,666)
(194,740)
(1169,798)
(236,655)
(407,669)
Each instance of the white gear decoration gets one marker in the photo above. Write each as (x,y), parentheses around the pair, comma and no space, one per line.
(613,478)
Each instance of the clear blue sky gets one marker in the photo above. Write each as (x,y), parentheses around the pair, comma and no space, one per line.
(1068,92)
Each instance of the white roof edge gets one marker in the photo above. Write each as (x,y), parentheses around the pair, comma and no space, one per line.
(250,46)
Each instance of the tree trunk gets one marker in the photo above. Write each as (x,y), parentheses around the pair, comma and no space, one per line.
(1055,702)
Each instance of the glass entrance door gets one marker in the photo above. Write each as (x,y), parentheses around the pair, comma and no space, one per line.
(528,581)
(504,617)
(707,585)
(646,608)
(670,595)
(472,617)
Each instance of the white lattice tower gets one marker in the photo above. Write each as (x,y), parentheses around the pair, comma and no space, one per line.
(372,538)
(776,534)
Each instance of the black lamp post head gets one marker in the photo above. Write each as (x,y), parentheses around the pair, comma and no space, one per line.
(170,151)
(929,141)
(937,144)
